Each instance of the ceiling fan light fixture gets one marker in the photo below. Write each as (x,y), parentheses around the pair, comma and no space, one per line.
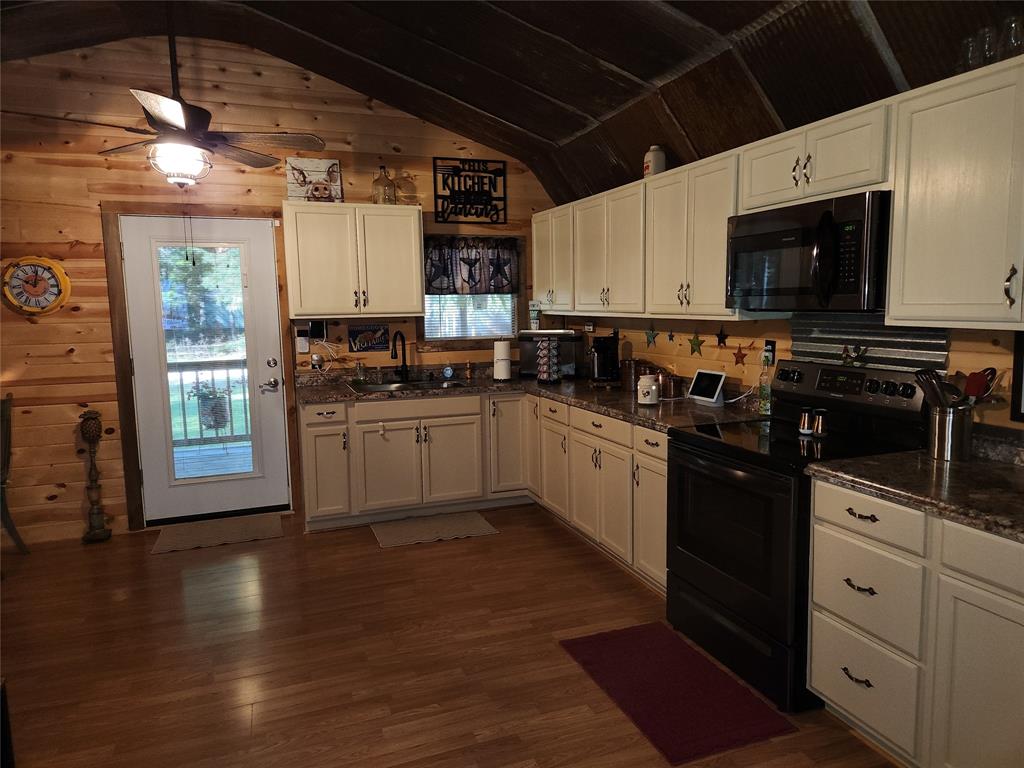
(182,164)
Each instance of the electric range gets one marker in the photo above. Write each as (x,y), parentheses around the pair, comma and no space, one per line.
(739,514)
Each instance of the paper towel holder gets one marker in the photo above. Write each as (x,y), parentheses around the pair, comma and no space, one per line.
(502,370)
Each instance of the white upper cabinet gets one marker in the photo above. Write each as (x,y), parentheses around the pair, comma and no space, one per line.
(711,200)
(541,231)
(666,242)
(624,260)
(958,206)
(321,259)
(553,258)
(830,156)
(591,248)
(345,259)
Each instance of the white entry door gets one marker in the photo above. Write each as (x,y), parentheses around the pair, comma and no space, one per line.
(208,372)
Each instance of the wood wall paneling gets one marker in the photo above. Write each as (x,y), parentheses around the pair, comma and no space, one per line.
(647,122)
(52,186)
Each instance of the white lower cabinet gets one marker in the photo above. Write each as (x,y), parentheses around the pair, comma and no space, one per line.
(507,460)
(979,681)
(554,467)
(615,513)
(585,492)
(452,460)
(531,443)
(326,470)
(650,517)
(388,466)
(923,652)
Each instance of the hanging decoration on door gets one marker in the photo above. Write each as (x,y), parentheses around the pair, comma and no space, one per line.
(467,190)
(368,338)
(471,265)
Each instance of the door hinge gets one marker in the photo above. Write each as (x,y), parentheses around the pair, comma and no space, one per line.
(140,476)
(121,243)
(131,364)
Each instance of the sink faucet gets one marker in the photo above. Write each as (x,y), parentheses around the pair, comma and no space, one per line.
(403,372)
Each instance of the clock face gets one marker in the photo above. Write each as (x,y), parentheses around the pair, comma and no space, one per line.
(36,285)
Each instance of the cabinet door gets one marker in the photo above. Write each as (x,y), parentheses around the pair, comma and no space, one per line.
(711,201)
(624,265)
(562,258)
(542,258)
(590,239)
(321,259)
(846,153)
(325,470)
(979,679)
(958,205)
(508,467)
(615,504)
(665,246)
(531,442)
(453,465)
(389,472)
(650,517)
(391,259)
(770,172)
(554,467)
(584,487)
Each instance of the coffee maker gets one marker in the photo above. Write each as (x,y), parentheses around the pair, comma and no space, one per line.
(604,364)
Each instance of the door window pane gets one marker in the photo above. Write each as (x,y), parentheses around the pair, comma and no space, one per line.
(202,305)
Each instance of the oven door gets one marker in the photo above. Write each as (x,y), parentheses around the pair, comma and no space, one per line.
(732,537)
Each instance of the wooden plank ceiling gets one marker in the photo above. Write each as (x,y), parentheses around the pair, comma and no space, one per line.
(576,90)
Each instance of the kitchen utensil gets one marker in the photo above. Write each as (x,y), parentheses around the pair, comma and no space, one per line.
(805,426)
(950,436)
(953,393)
(820,428)
(931,385)
(647,390)
(980,383)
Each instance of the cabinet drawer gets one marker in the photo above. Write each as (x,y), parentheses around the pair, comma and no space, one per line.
(601,426)
(651,442)
(552,409)
(318,413)
(983,555)
(871,517)
(889,705)
(878,592)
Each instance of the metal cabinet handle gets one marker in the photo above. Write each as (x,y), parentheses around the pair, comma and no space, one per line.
(651,443)
(563,444)
(426,434)
(552,410)
(636,475)
(328,414)
(608,296)
(593,458)
(551,299)
(679,294)
(364,298)
(598,458)
(870,518)
(418,436)
(796,166)
(596,425)
(867,590)
(1010,301)
(344,440)
(858,680)
(355,296)
(686,294)
(494,408)
(807,162)
(535,414)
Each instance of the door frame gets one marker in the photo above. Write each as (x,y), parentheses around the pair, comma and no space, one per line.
(110,211)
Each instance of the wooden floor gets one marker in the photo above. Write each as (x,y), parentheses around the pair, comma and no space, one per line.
(324,650)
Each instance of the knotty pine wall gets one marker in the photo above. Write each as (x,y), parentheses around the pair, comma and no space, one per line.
(52,185)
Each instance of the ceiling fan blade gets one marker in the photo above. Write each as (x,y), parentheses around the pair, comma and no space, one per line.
(128,147)
(129,129)
(161,109)
(243,156)
(284,140)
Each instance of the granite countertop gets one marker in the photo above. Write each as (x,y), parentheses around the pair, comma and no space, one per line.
(613,402)
(983,494)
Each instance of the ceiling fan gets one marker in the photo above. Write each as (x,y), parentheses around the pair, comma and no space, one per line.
(180,133)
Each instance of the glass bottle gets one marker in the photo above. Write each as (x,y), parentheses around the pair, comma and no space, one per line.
(383,190)
(764,389)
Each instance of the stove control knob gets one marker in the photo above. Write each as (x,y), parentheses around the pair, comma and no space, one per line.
(907,390)
(796,375)
(889,388)
(871,386)
(783,374)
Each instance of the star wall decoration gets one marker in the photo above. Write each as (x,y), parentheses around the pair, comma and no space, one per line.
(696,342)
(739,355)
(721,336)
(671,335)
(651,336)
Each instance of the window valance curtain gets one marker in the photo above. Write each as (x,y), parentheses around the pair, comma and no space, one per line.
(470,265)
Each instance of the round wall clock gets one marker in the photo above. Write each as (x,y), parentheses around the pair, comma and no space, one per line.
(36,285)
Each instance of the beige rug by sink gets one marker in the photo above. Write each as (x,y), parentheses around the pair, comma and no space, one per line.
(418,530)
(211,533)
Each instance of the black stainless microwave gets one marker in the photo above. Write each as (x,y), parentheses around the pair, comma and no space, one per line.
(829,255)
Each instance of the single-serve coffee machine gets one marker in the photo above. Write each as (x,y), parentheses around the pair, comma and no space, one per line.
(604,359)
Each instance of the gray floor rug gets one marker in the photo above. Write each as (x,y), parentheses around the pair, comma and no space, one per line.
(418,530)
(211,533)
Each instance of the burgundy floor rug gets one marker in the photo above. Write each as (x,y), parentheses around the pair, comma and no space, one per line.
(685,705)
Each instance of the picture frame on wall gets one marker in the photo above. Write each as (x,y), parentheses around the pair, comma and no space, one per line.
(1017,390)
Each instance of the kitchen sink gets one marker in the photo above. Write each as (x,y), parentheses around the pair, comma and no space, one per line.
(404,386)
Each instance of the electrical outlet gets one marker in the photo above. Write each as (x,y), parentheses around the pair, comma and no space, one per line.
(769,351)
(588,326)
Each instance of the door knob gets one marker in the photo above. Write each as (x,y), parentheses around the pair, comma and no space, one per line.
(271,383)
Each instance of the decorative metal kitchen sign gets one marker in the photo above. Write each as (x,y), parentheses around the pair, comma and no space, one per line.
(368,338)
(469,190)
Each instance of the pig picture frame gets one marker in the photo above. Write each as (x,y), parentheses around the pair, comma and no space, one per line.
(314,179)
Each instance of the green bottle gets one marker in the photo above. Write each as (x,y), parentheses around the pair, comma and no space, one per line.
(764,389)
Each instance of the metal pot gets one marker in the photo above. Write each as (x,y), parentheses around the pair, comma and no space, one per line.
(631,370)
(671,387)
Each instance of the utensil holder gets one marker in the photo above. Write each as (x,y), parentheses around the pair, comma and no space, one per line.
(950,437)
